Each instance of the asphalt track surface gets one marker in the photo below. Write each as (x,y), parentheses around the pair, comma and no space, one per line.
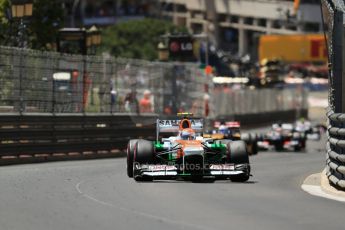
(97,195)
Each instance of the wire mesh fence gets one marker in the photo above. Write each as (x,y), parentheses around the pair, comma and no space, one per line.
(47,82)
(249,101)
(33,81)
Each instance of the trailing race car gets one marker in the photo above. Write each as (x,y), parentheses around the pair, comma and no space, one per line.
(308,130)
(187,155)
(231,130)
(283,136)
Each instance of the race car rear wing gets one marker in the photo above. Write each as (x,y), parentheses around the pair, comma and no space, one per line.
(229,124)
(172,126)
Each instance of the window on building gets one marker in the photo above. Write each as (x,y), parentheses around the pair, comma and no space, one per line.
(197,28)
(229,39)
(291,27)
(222,17)
(248,21)
(181,8)
(181,21)
(198,14)
(277,24)
(234,19)
(168,7)
(311,27)
(262,22)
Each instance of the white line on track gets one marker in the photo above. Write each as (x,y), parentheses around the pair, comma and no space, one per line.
(317,191)
(144,214)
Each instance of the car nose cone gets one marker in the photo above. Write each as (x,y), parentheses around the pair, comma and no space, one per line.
(190,151)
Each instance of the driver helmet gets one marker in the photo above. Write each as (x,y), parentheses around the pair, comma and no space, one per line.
(187,134)
(223,129)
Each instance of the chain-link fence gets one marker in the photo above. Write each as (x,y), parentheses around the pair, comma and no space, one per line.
(33,81)
(253,101)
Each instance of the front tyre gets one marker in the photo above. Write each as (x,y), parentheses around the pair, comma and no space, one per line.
(143,154)
(239,156)
(130,156)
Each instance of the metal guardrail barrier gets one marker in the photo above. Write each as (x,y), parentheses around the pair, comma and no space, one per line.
(64,133)
(332,15)
(335,169)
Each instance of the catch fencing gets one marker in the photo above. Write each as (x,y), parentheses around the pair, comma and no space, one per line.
(333,13)
(228,101)
(48,82)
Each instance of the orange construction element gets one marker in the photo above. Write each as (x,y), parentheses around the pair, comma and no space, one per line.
(293,48)
(208,69)
(296,6)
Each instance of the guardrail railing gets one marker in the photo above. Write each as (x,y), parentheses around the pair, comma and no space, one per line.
(64,133)
(335,169)
(332,16)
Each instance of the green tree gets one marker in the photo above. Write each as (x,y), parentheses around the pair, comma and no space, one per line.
(136,38)
(42,27)
(3,5)
(4,25)
(47,18)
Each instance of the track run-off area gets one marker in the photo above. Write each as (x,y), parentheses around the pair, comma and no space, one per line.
(97,194)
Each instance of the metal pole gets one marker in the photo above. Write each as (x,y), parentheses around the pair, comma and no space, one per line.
(206,51)
(53,96)
(112,97)
(337,61)
(174,90)
(21,45)
(83,85)
(116,76)
(74,8)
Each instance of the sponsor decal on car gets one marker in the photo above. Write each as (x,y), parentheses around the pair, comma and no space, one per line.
(223,167)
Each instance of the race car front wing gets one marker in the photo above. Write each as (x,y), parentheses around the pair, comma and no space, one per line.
(218,171)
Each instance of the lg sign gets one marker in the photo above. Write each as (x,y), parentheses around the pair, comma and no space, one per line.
(181,47)
(177,47)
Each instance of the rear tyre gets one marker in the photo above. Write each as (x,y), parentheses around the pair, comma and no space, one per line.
(246,137)
(255,148)
(254,143)
(130,156)
(297,148)
(143,154)
(239,156)
(238,152)
(251,140)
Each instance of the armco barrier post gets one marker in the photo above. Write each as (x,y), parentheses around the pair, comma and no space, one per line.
(337,63)
(333,12)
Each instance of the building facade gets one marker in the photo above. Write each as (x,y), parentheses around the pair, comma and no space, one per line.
(236,25)
(80,13)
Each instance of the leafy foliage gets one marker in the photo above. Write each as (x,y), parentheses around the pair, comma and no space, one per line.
(137,38)
(42,27)
(47,19)
(4,25)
